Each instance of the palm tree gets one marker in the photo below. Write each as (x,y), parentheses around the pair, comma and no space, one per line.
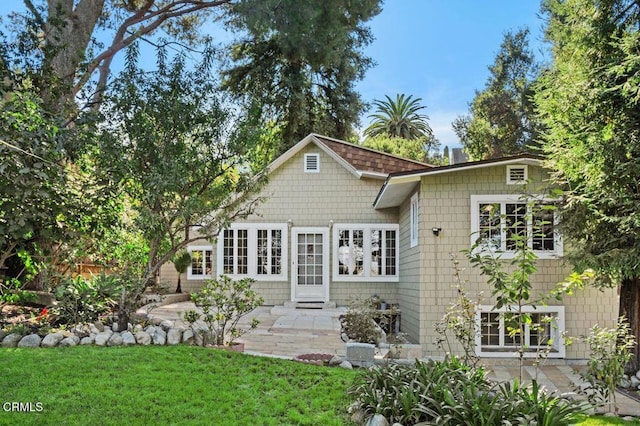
(181,262)
(399,118)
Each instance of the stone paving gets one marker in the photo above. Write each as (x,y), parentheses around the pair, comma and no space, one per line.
(286,333)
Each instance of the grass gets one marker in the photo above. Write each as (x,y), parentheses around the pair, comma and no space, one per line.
(168,385)
(174,385)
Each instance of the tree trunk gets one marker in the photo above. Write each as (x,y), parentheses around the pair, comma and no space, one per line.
(179,288)
(630,309)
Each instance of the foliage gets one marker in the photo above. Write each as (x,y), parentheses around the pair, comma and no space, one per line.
(81,300)
(178,155)
(399,118)
(181,261)
(299,61)
(91,381)
(611,350)
(588,101)
(358,323)
(424,149)
(501,119)
(453,393)
(460,319)
(224,302)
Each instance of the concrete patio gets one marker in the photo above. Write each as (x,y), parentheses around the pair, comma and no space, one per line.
(287,333)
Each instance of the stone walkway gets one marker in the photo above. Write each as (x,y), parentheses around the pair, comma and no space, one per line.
(286,333)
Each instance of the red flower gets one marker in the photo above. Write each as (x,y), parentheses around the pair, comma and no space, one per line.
(43,314)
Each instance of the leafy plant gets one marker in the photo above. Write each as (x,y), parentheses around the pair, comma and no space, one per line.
(611,350)
(453,393)
(358,323)
(224,302)
(82,300)
(181,262)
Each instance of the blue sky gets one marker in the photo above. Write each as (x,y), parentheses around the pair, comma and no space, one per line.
(439,50)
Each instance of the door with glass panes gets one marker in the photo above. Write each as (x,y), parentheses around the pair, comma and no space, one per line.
(310,264)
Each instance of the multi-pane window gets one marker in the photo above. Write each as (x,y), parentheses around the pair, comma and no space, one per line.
(365,252)
(502,223)
(253,250)
(500,333)
(201,262)
(269,251)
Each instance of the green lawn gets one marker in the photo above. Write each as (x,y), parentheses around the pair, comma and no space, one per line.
(168,385)
(173,385)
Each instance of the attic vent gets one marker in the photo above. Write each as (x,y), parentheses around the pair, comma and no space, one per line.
(516,175)
(312,163)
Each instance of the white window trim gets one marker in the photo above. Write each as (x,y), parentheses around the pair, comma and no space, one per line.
(559,349)
(517,182)
(190,275)
(414,214)
(317,169)
(366,228)
(252,251)
(476,200)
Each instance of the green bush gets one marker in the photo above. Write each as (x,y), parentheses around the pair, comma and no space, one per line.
(82,300)
(453,393)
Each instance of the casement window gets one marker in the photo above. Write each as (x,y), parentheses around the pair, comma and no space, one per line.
(254,250)
(201,262)
(413,221)
(312,163)
(517,175)
(495,336)
(500,222)
(365,252)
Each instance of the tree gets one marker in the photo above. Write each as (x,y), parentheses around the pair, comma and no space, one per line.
(426,150)
(501,118)
(298,62)
(399,118)
(589,104)
(178,154)
(181,261)
(58,42)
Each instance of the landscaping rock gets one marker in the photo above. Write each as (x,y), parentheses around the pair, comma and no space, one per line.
(102,338)
(2,334)
(159,337)
(187,336)
(143,338)
(336,360)
(360,354)
(115,339)
(89,340)
(155,321)
(633,382)
(202,336)
(150,330)
(99,326)
(174,336)
(81,330)
(30,341)
(115,327)
(166,325)
(11,340)
(93,329)
(70,341)
(128,338)
(138,328)
(51,340)
(346,365)
(378,420)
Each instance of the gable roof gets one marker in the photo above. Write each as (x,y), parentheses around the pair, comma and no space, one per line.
(359,160)
(398,186)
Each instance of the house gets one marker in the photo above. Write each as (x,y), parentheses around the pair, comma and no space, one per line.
(341,221)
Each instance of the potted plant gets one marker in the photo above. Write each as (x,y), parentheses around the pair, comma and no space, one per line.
(224,302)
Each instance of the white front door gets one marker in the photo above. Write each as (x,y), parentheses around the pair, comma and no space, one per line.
(310,264)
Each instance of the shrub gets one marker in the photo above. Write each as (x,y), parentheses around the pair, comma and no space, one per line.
(358,323)
(82,300)
(224,302)
(453,393)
